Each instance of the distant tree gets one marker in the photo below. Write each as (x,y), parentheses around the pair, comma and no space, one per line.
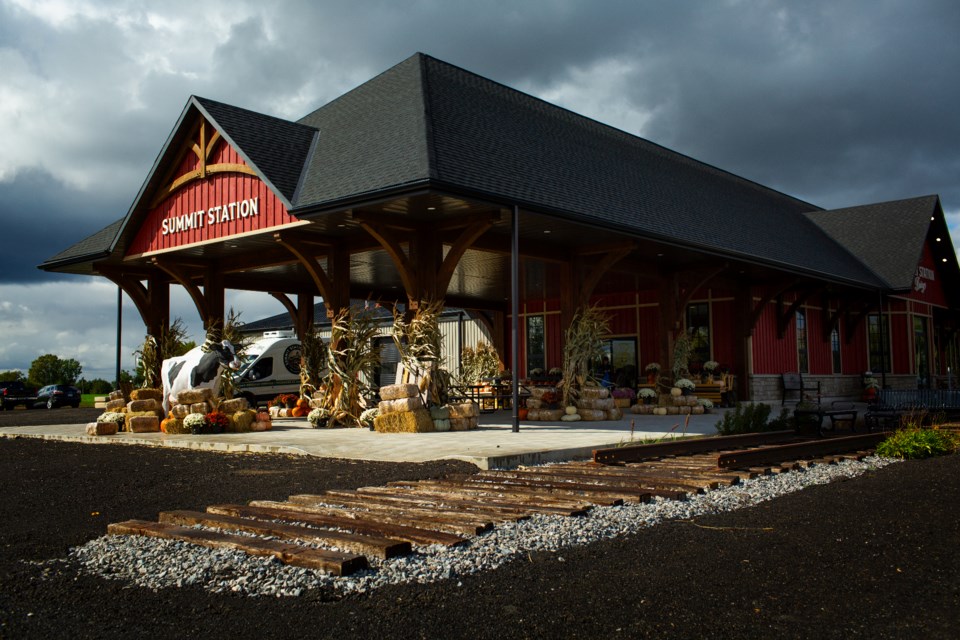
(99,386)
(49,369)
(12,376)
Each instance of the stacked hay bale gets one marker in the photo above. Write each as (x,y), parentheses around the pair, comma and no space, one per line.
(116,403)
(464,416)
(187,401)
(242,419)
(144,411)
(677,404)
(596,404)
(402,411)
(542,405)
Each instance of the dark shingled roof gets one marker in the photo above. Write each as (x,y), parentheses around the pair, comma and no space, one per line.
(427,122)
(277,149)
(92,247)
(888,237)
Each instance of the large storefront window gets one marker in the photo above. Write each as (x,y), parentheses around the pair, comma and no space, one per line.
(619,365)
(877,338)
(921,350)
(536,344)
(698,328)
(803,359)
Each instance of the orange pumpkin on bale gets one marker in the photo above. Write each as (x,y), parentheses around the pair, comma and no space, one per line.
(165,422)
(301,409)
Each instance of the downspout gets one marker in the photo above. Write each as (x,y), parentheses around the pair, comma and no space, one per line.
(515,321)
(883,343)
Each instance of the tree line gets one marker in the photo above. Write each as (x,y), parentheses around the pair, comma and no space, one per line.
(51,369)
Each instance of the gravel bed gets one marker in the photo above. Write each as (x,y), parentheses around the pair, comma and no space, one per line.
(159,564)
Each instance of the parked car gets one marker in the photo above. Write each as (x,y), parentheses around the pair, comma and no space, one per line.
(58,395)
(14,392)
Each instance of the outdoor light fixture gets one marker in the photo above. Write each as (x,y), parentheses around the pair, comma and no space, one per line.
(431,208)
(546,230)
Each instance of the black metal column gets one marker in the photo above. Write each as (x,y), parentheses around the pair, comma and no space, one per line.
(515,311)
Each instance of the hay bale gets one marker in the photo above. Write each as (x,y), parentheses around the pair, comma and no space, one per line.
(539,392)
(115,406)
(241,421)
(200,407)
(397,391)
(599,404)
(464,410)
(404,422)
(101,428)
(143,424)
(463,424)
(147,394)
(232,406)
(139,406)
(673,411)
(117,395)
(176,427)
(593,415)
(614,414)
(684,411)
(441,424)
(571,417)
(179,411)
(698,410)
(551,415)
(158,414)
(400,404)
(533,414)
(534,403)
(193,396)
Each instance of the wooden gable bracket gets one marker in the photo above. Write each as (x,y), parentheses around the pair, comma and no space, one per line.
(392,245)
(834,320)
(301,315)
(776,292)
(464,241)
(180,276)
(611,255)
(323,282)
(784,317)
(132,286)
(202,147)
(684,300)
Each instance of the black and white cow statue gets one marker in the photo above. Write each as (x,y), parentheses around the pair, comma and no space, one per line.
(196,369)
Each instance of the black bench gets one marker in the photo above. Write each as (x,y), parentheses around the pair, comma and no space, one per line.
(793,383)
(843,412)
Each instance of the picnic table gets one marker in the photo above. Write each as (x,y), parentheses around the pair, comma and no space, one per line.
(839,411)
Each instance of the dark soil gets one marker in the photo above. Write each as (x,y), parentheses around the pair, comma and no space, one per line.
(874,557)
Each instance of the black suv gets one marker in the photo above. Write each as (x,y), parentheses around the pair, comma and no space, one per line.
(58,395)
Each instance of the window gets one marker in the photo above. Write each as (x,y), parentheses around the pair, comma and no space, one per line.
(835,350)
(803,359)
(619,364)
(878,343)
(698,328)
(536,344)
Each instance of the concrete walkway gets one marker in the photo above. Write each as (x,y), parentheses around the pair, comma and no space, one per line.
(492,446)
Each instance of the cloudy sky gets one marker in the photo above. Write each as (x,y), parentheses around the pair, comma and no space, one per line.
(836,102)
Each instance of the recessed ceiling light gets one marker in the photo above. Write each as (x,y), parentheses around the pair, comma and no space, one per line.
(546,230)
(431,208)
(944,259)
(938,239)
(933,218)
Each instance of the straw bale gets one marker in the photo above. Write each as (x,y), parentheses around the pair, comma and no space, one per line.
(147,394)
(400,404)
(101,428)
(404,422)
(592,415)
(177,427)
(199,407)
(533,414)
(139,406)
(614,414)
(600,404)
(551,415)
(317,403)
(463,424)
(241,421)
(538,392)
(464,410)
(232,406)
(116,405)
(193,396)
(534,403)
(396,391)
(673,411)
(698,410)
(179,411)
(143,424)
(594,393)
(117,395)
(145,414)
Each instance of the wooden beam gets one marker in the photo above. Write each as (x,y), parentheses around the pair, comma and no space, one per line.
(772,293)
(598,270)
(784,317)
(392,245)
(308,261)
(186,281)
(466,238)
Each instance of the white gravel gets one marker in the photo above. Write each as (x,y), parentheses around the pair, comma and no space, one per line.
(159,564)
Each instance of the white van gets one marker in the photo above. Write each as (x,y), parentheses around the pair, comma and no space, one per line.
(271,366)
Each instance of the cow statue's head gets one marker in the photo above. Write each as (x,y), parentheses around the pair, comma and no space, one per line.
(226,354)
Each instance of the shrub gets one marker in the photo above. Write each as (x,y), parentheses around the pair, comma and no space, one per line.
(915,443)
(746,418)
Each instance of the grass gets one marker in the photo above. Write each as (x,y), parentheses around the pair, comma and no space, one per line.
(87,399)
(912,442)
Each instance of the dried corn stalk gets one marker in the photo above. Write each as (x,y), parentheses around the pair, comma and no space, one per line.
(230,330)
(420,344)
(313,362)
(583,343)
(352,360)
(150,356)
(478,363)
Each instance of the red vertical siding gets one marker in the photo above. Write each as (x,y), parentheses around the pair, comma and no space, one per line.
(901,335)
(723,337)
(648,344)
(770,353)
(853,352)
(554,341)
(820,355)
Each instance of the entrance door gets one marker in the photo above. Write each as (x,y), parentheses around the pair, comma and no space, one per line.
(619,365)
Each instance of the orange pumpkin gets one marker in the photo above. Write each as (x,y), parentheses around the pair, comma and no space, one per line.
(163,424)
(522,413)
(299,411)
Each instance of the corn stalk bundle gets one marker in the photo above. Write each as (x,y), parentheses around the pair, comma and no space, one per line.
(478,363)
(352,360)
(420,344)
(230,330)
(150,356)
(584,342)
(313,362)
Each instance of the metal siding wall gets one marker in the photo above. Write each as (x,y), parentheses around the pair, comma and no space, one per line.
(623,322)
(473,333)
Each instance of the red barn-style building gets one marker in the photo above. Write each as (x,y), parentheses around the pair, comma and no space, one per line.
(432,183)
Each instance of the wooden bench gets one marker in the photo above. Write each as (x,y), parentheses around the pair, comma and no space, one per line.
(838,412)
(793,383)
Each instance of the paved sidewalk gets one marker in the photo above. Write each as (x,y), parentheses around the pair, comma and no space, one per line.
(493,445)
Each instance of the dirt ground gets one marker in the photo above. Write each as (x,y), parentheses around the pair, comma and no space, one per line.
(878,557)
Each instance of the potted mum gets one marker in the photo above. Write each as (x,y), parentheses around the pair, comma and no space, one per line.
(623,397)
(652,370)
(685,385)
(648,395)
(710,368)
